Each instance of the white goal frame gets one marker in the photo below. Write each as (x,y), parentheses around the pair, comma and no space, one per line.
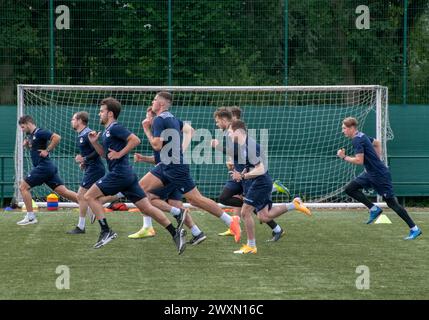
(381,122)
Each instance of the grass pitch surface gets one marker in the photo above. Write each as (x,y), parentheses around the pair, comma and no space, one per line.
(316,259)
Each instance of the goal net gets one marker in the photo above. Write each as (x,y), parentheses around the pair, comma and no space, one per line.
(299,127)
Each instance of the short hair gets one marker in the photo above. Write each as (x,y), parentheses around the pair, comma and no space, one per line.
(26,119)
(350,122)
(83,116)
(149,109)
(238,124)
(166,96)
(235,111)
(112,105)
(223,113)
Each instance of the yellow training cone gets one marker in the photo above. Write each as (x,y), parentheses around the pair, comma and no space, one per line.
(382,218)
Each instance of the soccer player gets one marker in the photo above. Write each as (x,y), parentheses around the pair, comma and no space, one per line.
(117,143)
(89,161)
(232,190)
(173,197)
(251,169)
(41,143)
(171,171)
(367,152)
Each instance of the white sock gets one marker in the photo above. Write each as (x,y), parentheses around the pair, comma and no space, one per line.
(31,215)
(415,228)
(89,211)
(251,242)
(81,223)
(175,211)
(147,222)
(277,229)
(290,206)
(226,218)
(195,230)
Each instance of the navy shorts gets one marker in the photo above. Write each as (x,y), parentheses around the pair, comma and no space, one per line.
(128,184)
(176,176)
(382,185)
(234,186)
(257,192)
(91,176)
(168,192)
(41,174)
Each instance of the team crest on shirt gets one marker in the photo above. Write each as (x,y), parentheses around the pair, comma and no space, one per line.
(34,137)
(107,134)
(81,140)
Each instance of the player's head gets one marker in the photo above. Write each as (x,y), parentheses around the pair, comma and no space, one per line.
(238,131)
(162,101)
(236,112)
(223,118)
(79,120)
(26,124)
(110,108)
(349,127)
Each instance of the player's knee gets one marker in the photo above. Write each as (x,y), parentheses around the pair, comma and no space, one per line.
(23,186)
(88,197)
(223,199)
(351,188)
(80,196)
(263,218)
(392,203)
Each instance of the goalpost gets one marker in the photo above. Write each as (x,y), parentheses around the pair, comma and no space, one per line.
(300,128)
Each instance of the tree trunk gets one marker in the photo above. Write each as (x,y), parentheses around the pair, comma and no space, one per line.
(6,79)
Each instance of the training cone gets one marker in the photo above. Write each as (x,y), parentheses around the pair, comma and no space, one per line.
(382,218)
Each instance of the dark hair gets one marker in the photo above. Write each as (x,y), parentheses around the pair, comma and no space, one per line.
(25,119)
(83,116)
(223,113)
(166,95)
(235,111)
(238,124)
(350,122)
(112,105)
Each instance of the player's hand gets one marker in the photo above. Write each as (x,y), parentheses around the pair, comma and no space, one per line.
(93,136)
(26,143)
(138,157)
(43,153)
(230,165)
(235,175)
(146,124)
(79,159)
(214,143)
(113,155)
(341,153)
(82,166)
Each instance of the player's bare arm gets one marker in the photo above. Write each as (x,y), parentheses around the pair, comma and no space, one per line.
(357,159)
(377,147)
(188,132)
(55,140)
(93,138)
(141,158)
(155,142)
(132,142)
